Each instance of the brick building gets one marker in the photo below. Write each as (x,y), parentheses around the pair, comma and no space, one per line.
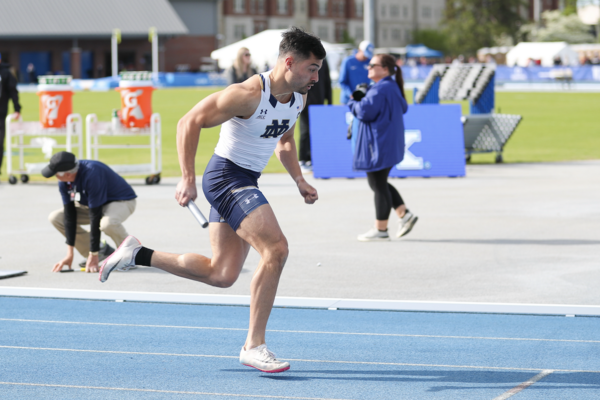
(74,36)
(332,20)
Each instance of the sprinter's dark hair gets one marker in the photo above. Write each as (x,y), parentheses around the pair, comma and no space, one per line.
(389,62)
(301,44)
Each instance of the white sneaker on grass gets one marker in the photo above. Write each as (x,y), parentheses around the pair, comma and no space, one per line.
(406,223)
(263,360)
(122,259)
(374,235)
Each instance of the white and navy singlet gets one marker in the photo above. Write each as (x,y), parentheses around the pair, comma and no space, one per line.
(250,142)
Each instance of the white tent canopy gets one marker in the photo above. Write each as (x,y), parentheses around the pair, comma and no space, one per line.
(264,47)
(546,52)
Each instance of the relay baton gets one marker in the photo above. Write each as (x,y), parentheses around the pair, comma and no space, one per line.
(197,213)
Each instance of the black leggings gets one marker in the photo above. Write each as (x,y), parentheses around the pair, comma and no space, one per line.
(386,196)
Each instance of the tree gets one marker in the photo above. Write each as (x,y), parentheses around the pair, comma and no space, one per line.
(558,27)
(570,7)
(472,24)
(431,38)
(346,38)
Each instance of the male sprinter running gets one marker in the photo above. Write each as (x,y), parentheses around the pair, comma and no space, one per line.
(258,117)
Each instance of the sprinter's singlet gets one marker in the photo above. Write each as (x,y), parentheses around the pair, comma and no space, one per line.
(250,142)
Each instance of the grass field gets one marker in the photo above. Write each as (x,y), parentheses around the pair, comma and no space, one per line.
(556,126)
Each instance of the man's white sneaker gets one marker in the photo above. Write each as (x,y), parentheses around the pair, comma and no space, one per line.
(406,223)
(374,235)
(306,167)
(122,259)
(263,360)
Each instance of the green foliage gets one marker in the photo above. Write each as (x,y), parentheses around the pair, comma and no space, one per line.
(431,38)
(570,7)
(558,27)
(472,24)
(346,38)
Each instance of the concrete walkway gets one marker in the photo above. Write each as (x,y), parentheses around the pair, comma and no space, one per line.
(514,233)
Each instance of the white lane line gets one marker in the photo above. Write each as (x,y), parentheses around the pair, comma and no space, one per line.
(303,302)
(308,332)
(295,359)
(262,396)
(524,385)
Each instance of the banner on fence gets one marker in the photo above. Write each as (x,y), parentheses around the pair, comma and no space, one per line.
(433,135)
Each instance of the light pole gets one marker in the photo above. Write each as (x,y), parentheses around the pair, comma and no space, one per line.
(115,40)
(369,20)
(153,38)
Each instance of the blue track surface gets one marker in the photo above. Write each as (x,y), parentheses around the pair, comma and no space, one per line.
(110,350)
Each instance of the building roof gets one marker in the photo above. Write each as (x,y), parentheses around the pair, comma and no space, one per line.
(87,18)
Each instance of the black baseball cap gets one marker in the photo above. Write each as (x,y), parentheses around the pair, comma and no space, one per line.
(60,162)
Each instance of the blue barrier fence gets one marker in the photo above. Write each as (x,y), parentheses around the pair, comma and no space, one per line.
(586,73)
(165,79)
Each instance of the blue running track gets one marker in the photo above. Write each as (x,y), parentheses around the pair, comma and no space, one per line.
(77,349)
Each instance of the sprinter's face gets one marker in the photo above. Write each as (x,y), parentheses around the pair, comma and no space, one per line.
(304,73)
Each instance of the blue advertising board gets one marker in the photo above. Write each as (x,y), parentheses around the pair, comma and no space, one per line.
(433,135)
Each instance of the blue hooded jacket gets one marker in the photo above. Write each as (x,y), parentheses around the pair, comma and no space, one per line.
(380,140)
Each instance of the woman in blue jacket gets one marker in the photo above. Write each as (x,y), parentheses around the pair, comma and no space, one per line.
(380,143)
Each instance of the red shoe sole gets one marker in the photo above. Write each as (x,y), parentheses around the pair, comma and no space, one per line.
(269,372)
(108,258)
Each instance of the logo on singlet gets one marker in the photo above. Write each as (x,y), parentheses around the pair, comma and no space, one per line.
(263,114)
(274,130)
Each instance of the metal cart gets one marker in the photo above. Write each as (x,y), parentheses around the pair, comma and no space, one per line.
(488,133)
(16,133)
(96,130)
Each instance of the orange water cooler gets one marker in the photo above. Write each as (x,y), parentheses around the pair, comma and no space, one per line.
(56,102)
(129,128)
(136,99)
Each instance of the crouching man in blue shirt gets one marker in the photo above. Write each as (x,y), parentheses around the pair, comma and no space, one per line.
(93,194)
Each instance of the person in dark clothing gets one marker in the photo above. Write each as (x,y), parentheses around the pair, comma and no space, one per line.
(31,73)
(318,94)
(380,143)
(242,68)
(8,91)
(93,194)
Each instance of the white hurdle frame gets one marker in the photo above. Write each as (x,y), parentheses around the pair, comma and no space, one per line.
(96,129)
(34,128)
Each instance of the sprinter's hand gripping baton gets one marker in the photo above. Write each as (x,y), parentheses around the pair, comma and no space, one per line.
(197,213)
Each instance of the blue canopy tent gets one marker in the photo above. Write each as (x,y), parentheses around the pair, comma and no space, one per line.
(420,50)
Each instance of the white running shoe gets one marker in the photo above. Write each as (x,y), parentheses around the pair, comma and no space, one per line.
(374,235)
(306,167)
(122,259)
(406,223)
(263,360)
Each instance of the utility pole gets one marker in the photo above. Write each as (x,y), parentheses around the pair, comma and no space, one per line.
(416,14)
(537,11)
(153,38)
(115,40)
(369,21)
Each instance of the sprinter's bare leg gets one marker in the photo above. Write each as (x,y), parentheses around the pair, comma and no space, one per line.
(260,230)
(222,270)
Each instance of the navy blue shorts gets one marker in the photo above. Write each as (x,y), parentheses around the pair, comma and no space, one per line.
(231,190)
